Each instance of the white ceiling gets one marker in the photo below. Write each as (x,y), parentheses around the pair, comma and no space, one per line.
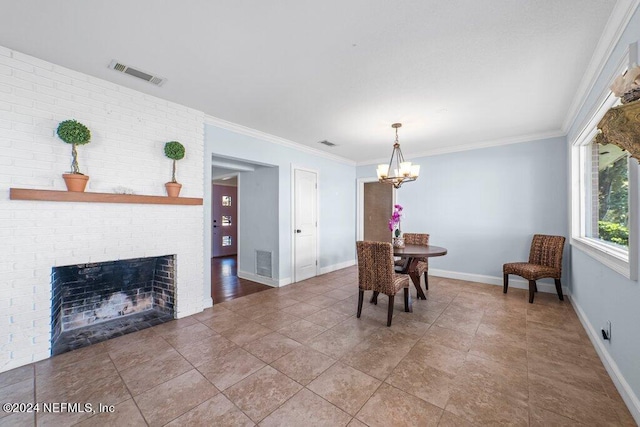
(454,72)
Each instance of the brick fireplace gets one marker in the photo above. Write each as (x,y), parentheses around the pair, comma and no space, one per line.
(94,302)
(128,133)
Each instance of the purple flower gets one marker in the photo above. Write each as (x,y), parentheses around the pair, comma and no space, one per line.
(394,221)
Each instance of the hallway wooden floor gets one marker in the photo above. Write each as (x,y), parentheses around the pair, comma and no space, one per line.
(226,285)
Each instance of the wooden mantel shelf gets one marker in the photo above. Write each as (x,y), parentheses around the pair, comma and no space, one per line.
(69,196)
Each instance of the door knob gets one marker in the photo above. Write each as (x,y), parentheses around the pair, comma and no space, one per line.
(298,231)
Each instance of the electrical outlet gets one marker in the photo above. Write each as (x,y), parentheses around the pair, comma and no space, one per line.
(606,331)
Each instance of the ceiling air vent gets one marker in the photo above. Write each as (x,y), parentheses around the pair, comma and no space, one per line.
(327,143)
(158,81)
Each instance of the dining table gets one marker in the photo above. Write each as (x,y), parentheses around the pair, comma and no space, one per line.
(412,254)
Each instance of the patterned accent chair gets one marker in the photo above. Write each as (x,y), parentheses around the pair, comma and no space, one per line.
(545,260)
(422,265)
(376,273)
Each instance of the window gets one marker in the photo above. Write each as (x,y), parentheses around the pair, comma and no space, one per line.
(226,220)
(226,200)
(600,198)
(609,219)
(226,240)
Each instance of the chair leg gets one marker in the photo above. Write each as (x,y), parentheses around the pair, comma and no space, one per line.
(426,280)
(559,289)
(360,298)
(390,312)
(532,290)
(505,283)
(407,301)
(374,298)
(536,287)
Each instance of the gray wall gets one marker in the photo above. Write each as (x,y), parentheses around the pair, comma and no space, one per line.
(258,213)
(485,205)
(600,293)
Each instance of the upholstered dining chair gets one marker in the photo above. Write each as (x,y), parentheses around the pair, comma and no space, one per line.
(376,273)
(545,260)
(422,266)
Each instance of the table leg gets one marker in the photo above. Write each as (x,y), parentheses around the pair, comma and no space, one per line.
(415,278)
(416,282)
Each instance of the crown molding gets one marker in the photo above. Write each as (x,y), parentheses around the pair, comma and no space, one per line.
(474,146)
(577,128)
(620,16)
(254,133)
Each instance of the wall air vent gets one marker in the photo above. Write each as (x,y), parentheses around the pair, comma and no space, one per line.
(158,81)
(327,143)
(263,264)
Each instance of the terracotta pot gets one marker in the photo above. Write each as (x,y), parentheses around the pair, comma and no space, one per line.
(173,189)
(75,181)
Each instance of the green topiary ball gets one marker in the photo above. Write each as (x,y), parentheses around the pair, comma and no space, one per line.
(174,150)
(73,132)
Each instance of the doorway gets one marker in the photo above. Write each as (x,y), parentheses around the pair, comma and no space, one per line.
(375,206)
(378,206)
(243,218)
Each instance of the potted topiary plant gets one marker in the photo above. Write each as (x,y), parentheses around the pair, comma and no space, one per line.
(74,133)
(175,151)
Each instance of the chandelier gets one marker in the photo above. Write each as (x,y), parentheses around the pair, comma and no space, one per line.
(398,171)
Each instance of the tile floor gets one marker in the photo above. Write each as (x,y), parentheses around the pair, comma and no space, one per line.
(297,355)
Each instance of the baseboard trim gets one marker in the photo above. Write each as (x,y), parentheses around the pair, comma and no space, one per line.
(339,266)
(322,270)
(285,282)
(625,390)
(492,280)
(207,302)
(259,279)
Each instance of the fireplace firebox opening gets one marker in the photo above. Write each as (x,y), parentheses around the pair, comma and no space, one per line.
(94,302)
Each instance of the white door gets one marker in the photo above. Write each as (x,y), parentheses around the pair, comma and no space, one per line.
(305,224)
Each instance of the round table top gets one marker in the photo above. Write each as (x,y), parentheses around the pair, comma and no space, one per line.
(422,251)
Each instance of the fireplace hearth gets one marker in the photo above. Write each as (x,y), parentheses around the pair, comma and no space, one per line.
(94,302)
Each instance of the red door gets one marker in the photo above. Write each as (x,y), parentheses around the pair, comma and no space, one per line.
(225,220)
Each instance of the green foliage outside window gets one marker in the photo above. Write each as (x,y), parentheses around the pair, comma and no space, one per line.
(612,232)
(613,202)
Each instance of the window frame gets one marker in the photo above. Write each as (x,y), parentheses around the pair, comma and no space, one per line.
(624,262)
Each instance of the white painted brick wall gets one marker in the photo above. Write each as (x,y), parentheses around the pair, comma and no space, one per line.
(128,133)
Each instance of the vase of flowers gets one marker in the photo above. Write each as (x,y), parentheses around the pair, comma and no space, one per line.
(394,226)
